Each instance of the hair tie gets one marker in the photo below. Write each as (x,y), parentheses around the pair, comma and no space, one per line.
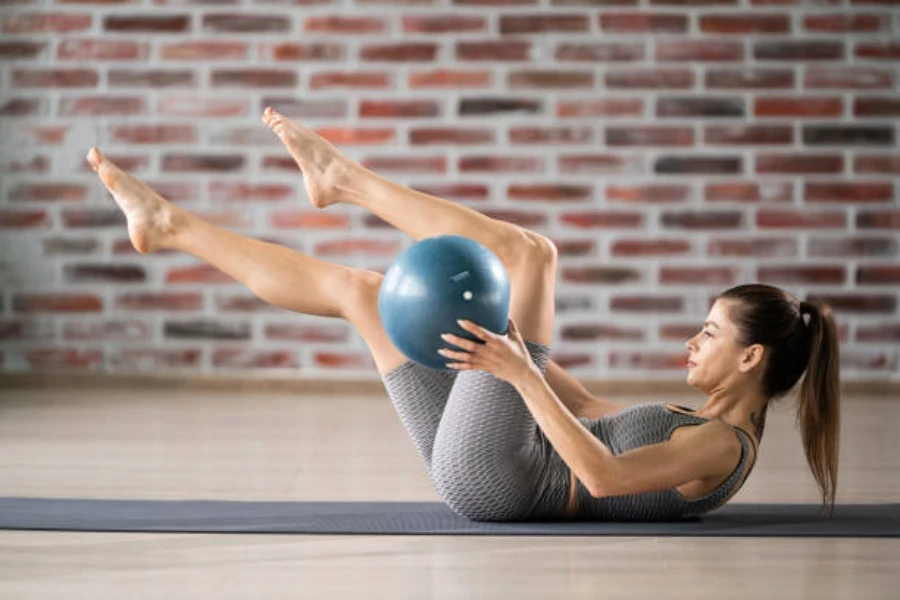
(805,312)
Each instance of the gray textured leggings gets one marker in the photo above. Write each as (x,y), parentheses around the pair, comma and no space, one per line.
(484,452)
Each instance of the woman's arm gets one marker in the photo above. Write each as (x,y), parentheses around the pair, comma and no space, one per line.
(576,397)
(586,456)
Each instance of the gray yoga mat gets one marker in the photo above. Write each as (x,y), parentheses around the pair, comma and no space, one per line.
(424,518)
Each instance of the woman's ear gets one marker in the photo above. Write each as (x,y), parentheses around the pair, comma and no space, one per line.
(751,358)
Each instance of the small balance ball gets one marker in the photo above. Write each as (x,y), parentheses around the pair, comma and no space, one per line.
(433,283)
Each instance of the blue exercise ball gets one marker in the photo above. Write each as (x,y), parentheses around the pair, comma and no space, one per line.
(433,283)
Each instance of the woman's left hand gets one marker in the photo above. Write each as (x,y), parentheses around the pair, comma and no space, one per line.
(504,356)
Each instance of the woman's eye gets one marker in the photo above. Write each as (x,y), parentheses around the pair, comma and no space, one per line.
(707,334)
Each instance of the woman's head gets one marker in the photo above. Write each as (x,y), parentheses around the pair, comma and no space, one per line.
(768,338)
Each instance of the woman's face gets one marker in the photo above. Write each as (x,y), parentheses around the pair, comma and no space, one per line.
(715,355)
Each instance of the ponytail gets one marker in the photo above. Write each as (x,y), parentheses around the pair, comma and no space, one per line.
(818,410)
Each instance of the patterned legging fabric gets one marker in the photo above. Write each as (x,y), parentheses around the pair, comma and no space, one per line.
(483,450)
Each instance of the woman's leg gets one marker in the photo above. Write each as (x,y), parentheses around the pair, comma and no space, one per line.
(330,177)
(289,280)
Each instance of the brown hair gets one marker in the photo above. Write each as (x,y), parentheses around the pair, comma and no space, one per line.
(769,316)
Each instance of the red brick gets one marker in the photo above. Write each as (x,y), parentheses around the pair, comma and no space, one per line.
(884,362)
(148,23)
(745,23)
(447,23)
(299,332)
(742,191)
(599,51)
(408,52)
(880,50)
(83,273)
(848,192)
(501,164)
(678,333)
(21,50)
(114,330)
(605,107)
(551,135)
(798,107)
(553,79)
(196,163)
(344,360)
(698,165)
(239,358)
(852,247)
(653,361)
(65,358)
(344,25)
(646,304)
(877,163)
(44,192)
(884,331)
(167,301)
(602,219)
(308,109)
(56,303)
(423,136)
(59,78)
(799,163)
(221,191)
(543,24)
(600,163)
(153,359)
(702,220)
(554,193)
(843,23)
(102,50)
(699,106)
(878,275)
(27,329)
(858,303)
(799,50)
(801,275)
(848,135)
(749,134)
(633,22)
(650,79)
(208,329)
(699,275)
(23,218)
(198,274)
(574,360)
(244,303)
(253,78)
(786,219)
(155,78)
(647,193)
(600,275)
(23,107)
(204,50)
(876,107)
(335,79)
(153,134)
(586,332)
(649,136)
(449,78)
(658,247)
(317,51)
(400,164)
(102,106)
(44,22)
(699,50)
(754,247)
(855,77)
(309,220)
(494,50)
(398,108)
(33,164)
(749,79)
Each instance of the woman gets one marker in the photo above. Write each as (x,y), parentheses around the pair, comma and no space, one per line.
(507,434)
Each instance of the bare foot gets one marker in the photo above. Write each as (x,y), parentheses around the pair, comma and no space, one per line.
(151,218)
(326,171)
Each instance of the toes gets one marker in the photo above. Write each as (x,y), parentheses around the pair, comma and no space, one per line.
(94,157)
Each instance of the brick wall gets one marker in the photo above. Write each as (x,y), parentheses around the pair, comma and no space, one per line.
(671,148)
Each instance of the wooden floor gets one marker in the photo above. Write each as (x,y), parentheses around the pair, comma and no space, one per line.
(280,446)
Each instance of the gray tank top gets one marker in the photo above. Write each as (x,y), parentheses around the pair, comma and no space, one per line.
(646,424)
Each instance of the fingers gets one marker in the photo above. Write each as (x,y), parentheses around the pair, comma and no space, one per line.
(460,342)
